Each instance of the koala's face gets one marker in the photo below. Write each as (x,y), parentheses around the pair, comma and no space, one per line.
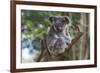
(59,22)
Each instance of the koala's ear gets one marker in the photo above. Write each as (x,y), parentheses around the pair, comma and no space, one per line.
(67,19)
(52,18)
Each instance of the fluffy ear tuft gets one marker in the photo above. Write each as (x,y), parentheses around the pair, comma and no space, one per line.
(67,19)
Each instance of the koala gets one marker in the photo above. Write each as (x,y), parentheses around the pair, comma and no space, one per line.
(58,37)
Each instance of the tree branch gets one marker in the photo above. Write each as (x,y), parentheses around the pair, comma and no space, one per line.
(74,40)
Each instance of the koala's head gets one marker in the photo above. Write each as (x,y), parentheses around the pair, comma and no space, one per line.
(59,22)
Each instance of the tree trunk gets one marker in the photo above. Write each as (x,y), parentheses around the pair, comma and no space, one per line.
(82,50)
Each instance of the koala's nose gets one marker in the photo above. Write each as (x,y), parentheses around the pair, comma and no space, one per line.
(60,28)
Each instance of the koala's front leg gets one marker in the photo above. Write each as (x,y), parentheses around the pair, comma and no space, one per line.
(50,45)
(68,38)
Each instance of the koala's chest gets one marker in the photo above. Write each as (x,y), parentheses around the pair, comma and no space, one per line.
(58,35)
